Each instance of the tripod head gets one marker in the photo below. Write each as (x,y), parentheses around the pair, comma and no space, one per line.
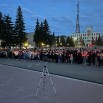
(45,59)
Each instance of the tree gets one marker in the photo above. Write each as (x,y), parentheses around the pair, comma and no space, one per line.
(81,42)
(37,34)
(71,43)
(21,35)
(57,41)
(1,24)
(46,33)
(42,33)
(93,41)
(68,41)
(51,39)
(99,41)
(7,34)
(62,41)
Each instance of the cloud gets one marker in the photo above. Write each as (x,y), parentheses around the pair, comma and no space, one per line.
(50,11)
(35,17)
(55,1)
(27,11)
(61,19)
(60,14)
(4,5)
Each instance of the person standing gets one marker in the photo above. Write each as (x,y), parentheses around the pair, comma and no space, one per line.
(71,58)
(93,56)
(102,59)
(89,58)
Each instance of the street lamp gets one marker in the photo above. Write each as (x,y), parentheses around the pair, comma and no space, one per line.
(67,44)
(26,44)
(74,38)
(42,44)
(75,41)
(60,43)
(56,44)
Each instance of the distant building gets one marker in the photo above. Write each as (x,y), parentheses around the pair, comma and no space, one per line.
(86,36)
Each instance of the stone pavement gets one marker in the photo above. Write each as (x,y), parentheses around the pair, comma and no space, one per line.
(19,85)
(92,73)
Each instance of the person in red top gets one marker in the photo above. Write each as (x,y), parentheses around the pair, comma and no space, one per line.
(84,55)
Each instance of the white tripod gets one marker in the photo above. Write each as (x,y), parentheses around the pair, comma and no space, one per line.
(44,72)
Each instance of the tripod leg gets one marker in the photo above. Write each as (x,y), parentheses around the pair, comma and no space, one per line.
(44,78)
(51,81)
(39,84)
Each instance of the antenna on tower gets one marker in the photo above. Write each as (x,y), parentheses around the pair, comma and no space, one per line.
(77,20)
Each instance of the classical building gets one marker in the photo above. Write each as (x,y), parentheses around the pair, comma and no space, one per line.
(87,36)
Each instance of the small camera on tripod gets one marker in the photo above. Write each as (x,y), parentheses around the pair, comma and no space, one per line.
(45,59)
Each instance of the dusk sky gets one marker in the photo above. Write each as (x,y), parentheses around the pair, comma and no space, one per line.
(60,14)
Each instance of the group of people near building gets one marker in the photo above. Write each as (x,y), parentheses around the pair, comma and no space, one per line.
(79,56)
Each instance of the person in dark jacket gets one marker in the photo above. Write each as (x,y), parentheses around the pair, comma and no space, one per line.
(89,58)
(93,56)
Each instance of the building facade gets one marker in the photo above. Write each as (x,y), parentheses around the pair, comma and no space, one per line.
(87,36)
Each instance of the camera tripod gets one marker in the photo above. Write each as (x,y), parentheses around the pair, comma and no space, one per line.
(43,76)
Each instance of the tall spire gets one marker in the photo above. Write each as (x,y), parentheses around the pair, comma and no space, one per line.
(77,21)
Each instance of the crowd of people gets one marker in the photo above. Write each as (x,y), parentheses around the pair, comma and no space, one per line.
(79,56)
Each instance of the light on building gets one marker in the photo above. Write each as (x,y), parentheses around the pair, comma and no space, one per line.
(47,46)
(42,44)
(60,43)
(74,38)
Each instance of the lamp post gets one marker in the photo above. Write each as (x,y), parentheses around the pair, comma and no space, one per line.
(67,44)
(60,44)
(75,41)
(42,44)
(56,45)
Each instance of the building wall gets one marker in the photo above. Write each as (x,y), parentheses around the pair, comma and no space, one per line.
(86,36)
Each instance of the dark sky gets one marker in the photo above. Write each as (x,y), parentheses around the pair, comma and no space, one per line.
(60,14)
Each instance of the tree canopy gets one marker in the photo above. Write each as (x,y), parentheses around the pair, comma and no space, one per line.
(42,34)
(20,28)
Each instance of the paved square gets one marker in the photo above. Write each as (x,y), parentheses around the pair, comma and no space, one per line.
(19,85)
